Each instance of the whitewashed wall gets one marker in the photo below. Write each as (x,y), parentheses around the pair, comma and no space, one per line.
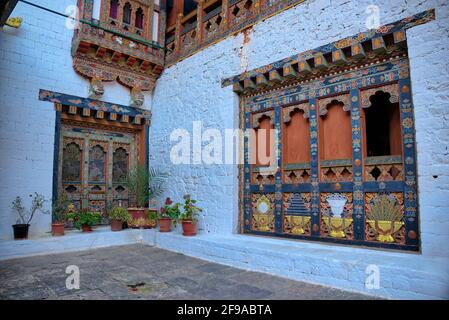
(35,56)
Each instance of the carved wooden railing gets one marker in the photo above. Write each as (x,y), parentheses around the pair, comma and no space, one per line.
(214,20)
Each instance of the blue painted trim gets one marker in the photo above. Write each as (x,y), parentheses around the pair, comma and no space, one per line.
(331,187)
(382,73)
(278,197)
(56,157)
(315,220)
(367,244)
(97,105)
(300,187)
(358,213)
(409,142)
(246,177)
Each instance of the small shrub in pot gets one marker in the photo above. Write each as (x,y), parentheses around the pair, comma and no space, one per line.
(168,214)
(59,209)
(84,219)
(189,216)
(25,216)
(118,216)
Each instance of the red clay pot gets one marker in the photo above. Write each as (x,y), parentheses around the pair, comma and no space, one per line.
(57,229)
(86,228)
(164,224)
(116,225)
(188,228)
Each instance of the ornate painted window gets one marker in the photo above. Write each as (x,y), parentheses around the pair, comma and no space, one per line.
(94,152)
(343,136)
(119,45)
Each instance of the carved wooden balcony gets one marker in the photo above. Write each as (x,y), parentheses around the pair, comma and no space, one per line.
(214,20)
(120,45)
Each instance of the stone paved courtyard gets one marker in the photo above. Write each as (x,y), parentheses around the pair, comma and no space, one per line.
(144,272)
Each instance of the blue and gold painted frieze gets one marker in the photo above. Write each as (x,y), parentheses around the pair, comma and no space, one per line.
(96,106)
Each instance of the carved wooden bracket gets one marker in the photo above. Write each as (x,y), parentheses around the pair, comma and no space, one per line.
(392,89)
(289,110)
(260,115)
(324,103)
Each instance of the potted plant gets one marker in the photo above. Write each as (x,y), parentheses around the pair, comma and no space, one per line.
(152,218)
(25,216)
(169,213)
(143,184)
(188,217)
(118,216)
(84,219)
(59,209)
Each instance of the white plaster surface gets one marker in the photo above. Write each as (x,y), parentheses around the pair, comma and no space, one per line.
(72,241)
(402,276)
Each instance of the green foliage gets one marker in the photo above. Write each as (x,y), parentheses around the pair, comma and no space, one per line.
(152,214)
(25,216)
(60,208)
(144,184)
(119,213)
(170,210)
(84,217)
(384,208)
(191,211)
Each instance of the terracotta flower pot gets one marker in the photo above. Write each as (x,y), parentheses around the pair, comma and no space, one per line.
(57,229)
(86,228)
(20,231)
(164,224)
(188,228)
(116,225)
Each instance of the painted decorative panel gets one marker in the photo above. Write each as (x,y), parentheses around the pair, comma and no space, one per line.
(296,211)
(384,214)
(336,215)
(262,218)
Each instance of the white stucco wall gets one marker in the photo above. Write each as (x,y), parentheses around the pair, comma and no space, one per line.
(191,91)
(35,56)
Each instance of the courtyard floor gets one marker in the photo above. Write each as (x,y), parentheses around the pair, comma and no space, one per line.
(144,272)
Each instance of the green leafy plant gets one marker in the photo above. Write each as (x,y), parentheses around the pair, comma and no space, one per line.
(190,211)
(119,213)
(152,214)
(84,217)
(25,216)
(170,210)
(384,208)
(60,208)
(144,184)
